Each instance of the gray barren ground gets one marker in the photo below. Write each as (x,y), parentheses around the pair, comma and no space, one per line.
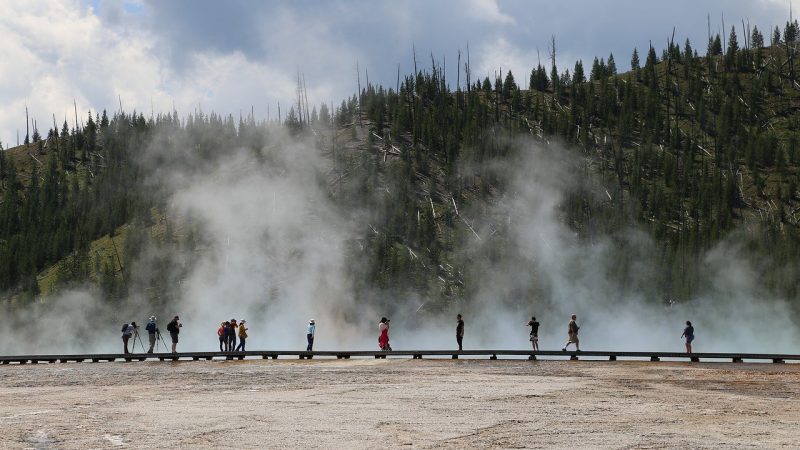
(399,403)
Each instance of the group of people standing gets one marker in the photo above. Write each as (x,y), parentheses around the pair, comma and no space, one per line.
(228,331)
(131,331)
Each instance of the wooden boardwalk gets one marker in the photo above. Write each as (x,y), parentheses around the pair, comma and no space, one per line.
(413,354)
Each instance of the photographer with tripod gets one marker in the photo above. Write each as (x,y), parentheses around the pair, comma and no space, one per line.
(130,330)
(152,330)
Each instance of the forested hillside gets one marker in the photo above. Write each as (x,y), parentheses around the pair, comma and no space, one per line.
(693,146)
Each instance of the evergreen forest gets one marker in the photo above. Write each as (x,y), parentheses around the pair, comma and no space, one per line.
(692,146)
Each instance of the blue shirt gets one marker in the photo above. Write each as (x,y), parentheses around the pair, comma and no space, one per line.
(311,329)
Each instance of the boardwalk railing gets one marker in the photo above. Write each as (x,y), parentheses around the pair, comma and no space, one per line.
(414,354)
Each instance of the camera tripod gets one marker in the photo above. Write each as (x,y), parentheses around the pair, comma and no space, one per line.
(137,338)
(159,338)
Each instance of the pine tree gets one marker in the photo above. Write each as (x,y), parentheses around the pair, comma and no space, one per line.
(487,85)
(578,76)
(611,66)
(715,46)
(733,48)
(555,81)
(324,115)
(509,85)
(539,79)
(756,38)
(596,73)
(635,61)
(687,52)
(790,32)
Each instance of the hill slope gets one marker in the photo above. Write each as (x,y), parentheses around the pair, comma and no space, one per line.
(690,150)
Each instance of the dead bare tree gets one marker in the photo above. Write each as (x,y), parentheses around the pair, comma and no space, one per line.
(468,70)
(412,95)
(458,72)
(300,117)
(305,96)
(55,132)
(27,129)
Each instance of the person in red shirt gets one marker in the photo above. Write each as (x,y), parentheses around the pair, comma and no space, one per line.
(221,334)
(383,338)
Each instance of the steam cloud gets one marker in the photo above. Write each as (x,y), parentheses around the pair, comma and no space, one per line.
(274,252)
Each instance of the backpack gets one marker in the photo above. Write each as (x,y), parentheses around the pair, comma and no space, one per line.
(171,327)
(124,327)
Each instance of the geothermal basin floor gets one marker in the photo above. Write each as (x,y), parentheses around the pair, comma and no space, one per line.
(399,403)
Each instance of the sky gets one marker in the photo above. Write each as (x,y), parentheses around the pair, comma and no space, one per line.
(229,57)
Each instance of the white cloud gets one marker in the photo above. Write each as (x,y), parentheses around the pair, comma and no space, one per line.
(60,52)
(500,53)
(229,83)
(784,3)
(488,11)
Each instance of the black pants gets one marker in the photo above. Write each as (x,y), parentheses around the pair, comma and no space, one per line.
(241,345)
(233,342)
(310,338)
(125,338)
(221,341)
(459,339)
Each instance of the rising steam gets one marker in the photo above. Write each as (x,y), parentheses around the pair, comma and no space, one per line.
(275,250)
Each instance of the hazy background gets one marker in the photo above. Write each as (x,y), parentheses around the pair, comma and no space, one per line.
(274,251)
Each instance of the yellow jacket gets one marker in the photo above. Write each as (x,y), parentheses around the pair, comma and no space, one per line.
(242,331)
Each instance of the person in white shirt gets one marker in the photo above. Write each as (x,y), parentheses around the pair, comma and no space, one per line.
(310,331)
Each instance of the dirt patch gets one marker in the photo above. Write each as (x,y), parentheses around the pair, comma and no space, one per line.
(399,403)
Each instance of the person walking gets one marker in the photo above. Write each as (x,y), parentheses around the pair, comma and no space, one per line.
(383,337)
(534,333)
(152,330)
(242,336)
(460,332)
(222,336)
(310,331)
(572,332)
(234,329)
(127,331)
(174,328)
(688,333)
